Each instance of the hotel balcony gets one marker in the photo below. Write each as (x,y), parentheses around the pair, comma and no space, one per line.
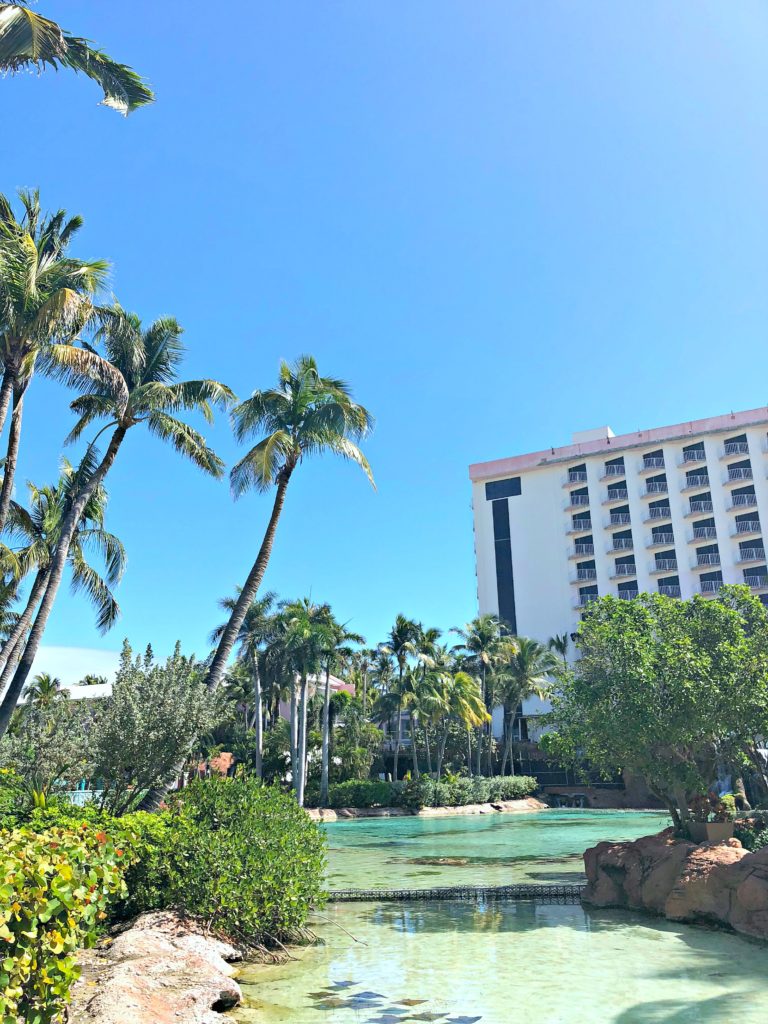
(576,501)
(611,472)
(706,559)
(616,494)
(580,526)
(703,533)
(746,528)
(655,487)
(735,474)
(698,508)
(622,544)
(575,476)
(619,519)
(695,483)
(660,540)
(688,458)
(654,514)
(621,571)
(583,600)
(651,463)
(732,448)
(756,582)
(584,576)
(663,565)
(750,555)
(582,551)
(670,589)
(710,587)
(743,501)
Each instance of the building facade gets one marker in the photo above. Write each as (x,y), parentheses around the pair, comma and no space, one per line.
(676,510)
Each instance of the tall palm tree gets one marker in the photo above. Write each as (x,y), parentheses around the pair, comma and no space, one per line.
(28,40)
(401,644)
(38,529)
(482,641)
(458,698)
(255,631)
(45,298)
(44,690)
(337,652)
(528,671)
(362,663)
(305,415)
(559,644)
(134,382)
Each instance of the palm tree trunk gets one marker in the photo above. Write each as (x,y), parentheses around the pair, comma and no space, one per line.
(11,453)
(249,591)
(365,693)
(469,751)
(427,749)
(399,737)
(258,722)
(294,732)
(304,701)
(6,390)
(414,745)
(56,571)
(480,731)
(11,646)
(441,751)
(326,738)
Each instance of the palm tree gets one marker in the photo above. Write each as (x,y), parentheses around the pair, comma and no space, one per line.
(305,415)
(45,298)
(28,40)
(362,662)
(528,671)
(482,641)
(255,631)
(458,697)
(39,530)
(44,690)
(559,644)
(337,652)
(400,644)
(134,382)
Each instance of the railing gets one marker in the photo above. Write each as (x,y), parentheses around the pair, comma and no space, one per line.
(622,544)
(751,554)
(711,586)
(617,494)
(654,462)
(701,480)
(748,526)
(577,476)
(586,574)
(560,894)
(628,594)
(656,487)
(756,582)
(670,590)
(583,549)
(697,455)
(662,538)
(736,448)
(709,558)
(585,599)
(581,525)
(740,473)
(704,532)
(615,470)
(625,570)
(665,564)
(701,506)
(620,518)
(663,512)
(577,499)
(743,499)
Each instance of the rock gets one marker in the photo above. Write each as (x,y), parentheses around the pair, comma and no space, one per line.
(714,883)
(160,969)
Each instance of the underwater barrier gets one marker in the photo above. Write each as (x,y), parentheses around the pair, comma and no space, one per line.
(539,893)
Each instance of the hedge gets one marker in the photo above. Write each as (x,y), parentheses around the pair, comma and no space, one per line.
(426,792)
(55,887)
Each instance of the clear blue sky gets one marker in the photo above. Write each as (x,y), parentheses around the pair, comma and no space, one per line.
(501,221)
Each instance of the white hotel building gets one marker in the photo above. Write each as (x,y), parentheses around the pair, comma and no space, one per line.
(675,510)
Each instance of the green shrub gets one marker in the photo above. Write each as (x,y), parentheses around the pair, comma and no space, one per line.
(460,790)
(55,887)
(752,832)
(368,793)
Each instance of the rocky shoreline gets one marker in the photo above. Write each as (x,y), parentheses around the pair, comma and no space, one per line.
(160,969)
(528,803)
(713,883)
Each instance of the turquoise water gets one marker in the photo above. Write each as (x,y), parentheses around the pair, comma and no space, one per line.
(500,962)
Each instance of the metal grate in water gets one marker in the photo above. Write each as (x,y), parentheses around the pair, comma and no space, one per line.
(541,893)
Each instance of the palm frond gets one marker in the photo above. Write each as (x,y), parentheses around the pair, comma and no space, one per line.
(259,467)
(186,441)
(85,579)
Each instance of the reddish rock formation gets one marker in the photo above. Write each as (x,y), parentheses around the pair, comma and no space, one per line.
(716,883)
(161,969)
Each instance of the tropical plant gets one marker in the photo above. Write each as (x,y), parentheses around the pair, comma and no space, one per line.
(44,690)
(528,670)
(483,642)
(337,652)
(134,382)
(28,40)
(45,298)
(459,699)
(400,645)
(305,415)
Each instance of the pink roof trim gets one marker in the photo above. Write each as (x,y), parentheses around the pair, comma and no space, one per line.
(641,438)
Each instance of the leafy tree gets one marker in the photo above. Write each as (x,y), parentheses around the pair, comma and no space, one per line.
(135,382)
(28,40)
(666,688)
(49,743)
(150,724)
(45,298)
(93,680)
(305,415)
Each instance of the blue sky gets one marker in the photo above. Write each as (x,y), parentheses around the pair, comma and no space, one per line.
(501,221)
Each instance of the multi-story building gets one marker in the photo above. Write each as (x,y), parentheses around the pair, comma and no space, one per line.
(675,510)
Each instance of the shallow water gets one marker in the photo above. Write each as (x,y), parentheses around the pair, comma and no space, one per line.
(499,849)
(500,962)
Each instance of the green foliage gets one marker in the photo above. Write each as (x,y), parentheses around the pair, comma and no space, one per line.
(359,793)
(752,832)
(49,745)
(55,888)
(461,790)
